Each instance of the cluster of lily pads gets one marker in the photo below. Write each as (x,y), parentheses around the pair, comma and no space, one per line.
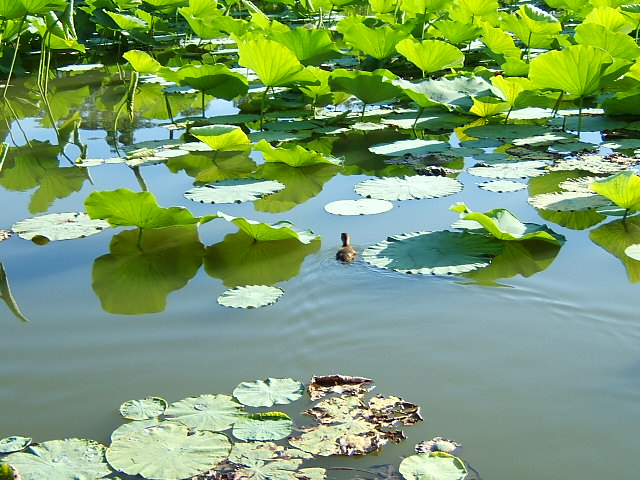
(216,436)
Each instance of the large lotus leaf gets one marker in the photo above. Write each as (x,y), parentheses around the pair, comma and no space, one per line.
(455,93)
(127,428)
(617,44)
(263,426)
(615,237)
(518,258)
(568,201)
(126,22)
(168,452)
(431,55)
(250,296)
(294,156)
(240,260)
(216,80)
(274,63)
(234,191)
(504,225)
(206,412)
(123,207)
(578,69)
(623,189)
(141,61)
(205,167)
(58,226)
(432,466)
(143,409)
(456,32)
(364,206)
(265,393)
(222,138)
(11,10)
(301,184)
(370,87)
(311,46)
(263,232)
(438,253)
(70,459)
(408,188)
(528,168)
(14,444)
(610,18)
(268,461)
(157,263)
(378,42)
(414,146)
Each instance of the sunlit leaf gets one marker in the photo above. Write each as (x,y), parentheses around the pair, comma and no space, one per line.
(408,188)
(251,296)
(264,232)
(623,189)
(58,226)
(206,412)
(222,138)
(143,409)
(263,426)
(432,466)
(431,55)
(265,393)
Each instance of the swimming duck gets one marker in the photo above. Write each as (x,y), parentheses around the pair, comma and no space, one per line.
(346,253)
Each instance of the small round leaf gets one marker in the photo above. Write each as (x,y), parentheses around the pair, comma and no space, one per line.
(144,409)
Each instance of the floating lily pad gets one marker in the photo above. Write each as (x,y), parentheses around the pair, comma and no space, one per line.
(549,138)
(407,188)
(265,393)
(502,186)
(206,412)
(580,184)
(509,131)
(58,226)
(14,444)
(413,146)
(144,409)
(568,201)
(168,452)
(134,426)
(263,426)
(439,444)
(250,296)
(437,253)
(432,466)
(364,206)
(69,459)
(528,168)
(589,163)
(323,385)
(233,191)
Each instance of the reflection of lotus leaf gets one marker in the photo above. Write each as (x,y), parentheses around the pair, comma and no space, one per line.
(206,167)
(240,260)
(437,253)
(133,281)
(518,258)
(615,237)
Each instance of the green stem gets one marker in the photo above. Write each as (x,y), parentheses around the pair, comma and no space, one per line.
(15,56)
(139,240)
(262,103)
(202,105)
(580,117)
(413,127)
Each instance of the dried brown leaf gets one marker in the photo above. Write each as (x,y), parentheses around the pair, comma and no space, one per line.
(323,385)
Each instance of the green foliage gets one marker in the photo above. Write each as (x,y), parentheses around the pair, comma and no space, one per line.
(623,189)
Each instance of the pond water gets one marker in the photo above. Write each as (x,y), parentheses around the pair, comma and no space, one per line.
(538,377)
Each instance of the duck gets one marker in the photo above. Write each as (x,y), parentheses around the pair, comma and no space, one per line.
(346,253)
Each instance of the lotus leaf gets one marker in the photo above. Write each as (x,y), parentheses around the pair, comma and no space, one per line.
(144,409)
(508,132)
(580,184)
(528,168)
(141,61)
(265,393)
(216,80)
(369,87)
(274,63)
(623,189)
(233,191)
(432,466)
(294,156)
(549,138)
(615,237)
(167,452)
(58,226)
(311,46)
(501,186)
(11,10)
(568,201)
(617,44)
(589,163)
(263,426)
(610,18)
(378,42)
(413,146)
(123,207)
(157,263)
(7,472)
(323,385)
(222,138)
(206,412)
(503,225)
(240,260)
(264,232)
(436,253)
(14,444)
(364,206)
(430,55)
(134,426)
(456,93)
(70,459)
(633,251)
(408,188)
(250,296)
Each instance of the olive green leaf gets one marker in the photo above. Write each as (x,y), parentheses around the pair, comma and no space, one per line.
(216,79)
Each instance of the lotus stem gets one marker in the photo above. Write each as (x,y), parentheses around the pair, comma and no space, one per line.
(139,240)
(415,122)
(580,117)
(15,56)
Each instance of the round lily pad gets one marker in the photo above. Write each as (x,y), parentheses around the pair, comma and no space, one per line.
(127,428)
(432,466)
(363,206)
(568,201)
(235,190)
(207,412)
(144,409)
(501,186)
(589,163)
(407,188)
(250,296)
(414,146)
(58,226)
(530,168)
(168,452)
(70,459)
(438,253)
(263,427)
(265,393)
(633,251)
(506,131)
(14,444)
